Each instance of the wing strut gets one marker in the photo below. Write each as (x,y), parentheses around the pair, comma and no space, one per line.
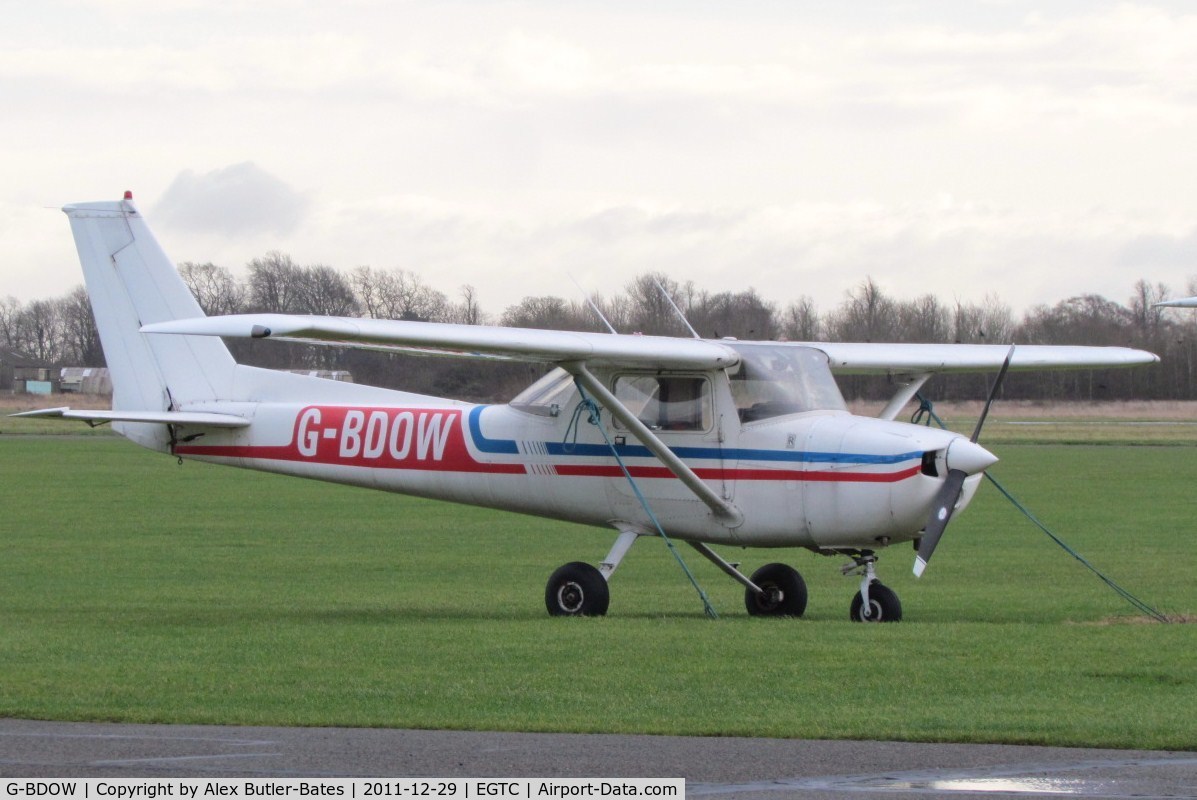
(730,569)
(727,513)
(908,387)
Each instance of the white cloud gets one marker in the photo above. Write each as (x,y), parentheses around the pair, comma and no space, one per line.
(234,201)
(790,147)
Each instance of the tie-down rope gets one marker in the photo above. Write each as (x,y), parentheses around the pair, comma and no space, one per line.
(588,405)
(927,411)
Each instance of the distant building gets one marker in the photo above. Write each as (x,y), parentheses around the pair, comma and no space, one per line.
(21,373)
(85,380)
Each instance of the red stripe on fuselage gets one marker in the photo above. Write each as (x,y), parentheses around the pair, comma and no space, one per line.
(711,474)
(430,440)
(433,440)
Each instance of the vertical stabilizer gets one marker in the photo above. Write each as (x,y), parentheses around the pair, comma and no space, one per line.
(132,283)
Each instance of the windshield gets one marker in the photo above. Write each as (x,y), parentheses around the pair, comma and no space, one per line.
(774,380)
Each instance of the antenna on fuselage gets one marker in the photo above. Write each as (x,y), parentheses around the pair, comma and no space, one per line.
(676,310)
(593,306)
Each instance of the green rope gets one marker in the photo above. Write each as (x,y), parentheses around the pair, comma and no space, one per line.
(1130,598)
(593,410)
(927,412)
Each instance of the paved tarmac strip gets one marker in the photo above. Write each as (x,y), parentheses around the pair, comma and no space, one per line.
(722,768)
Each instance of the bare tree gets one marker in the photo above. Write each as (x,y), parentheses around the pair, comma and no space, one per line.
(215,288)
(1147,317)
(468,311)
(923,319)
(1084,319)
(80,339)
(10,312)
(398,294)
(549,312)
(273,284)
(324,292)
(800,321)
(649,310)
(39,331)
(742,315)
(990,322)
(866,316)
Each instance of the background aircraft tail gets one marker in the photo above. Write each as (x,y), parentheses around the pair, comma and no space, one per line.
(132,283)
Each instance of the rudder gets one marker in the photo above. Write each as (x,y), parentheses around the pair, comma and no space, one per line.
(131,282)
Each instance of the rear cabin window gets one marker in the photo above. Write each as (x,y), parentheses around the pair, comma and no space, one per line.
(549,396)
(667,402)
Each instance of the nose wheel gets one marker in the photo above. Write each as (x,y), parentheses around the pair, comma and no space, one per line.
(883,605)
(875,602)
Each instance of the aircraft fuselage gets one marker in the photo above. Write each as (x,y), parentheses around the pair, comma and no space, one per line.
(822,478)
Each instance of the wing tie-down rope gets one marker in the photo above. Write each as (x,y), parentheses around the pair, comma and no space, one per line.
(591,408)
(926,411)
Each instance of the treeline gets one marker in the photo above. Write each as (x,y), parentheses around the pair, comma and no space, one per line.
(62,331)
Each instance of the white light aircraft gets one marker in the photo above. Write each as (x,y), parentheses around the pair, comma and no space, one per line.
(714,442)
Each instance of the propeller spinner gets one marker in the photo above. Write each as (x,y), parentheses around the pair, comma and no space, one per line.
(964,458)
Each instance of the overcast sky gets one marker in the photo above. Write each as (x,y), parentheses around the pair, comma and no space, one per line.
(1031,151)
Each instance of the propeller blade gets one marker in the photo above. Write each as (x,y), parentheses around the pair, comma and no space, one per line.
(962,462)
(941,512)
(993,390)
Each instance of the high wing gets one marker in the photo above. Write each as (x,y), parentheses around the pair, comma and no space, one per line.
(528,344)
(1183,302)
(476,341)
(882,358)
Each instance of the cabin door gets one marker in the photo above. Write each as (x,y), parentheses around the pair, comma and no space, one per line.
(681,410)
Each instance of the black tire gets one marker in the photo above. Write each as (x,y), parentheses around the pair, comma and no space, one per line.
(884,605)
(785,592)
(577,590)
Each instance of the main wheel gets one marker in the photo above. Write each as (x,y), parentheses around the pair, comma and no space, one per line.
(577,590)
(884,605)
(784,592)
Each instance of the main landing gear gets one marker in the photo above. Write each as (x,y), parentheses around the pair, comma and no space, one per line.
(782,592)
(578,589)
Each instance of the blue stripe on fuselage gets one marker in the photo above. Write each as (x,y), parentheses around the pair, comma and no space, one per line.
(509,447)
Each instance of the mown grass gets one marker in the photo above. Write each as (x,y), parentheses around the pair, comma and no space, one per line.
(132,588)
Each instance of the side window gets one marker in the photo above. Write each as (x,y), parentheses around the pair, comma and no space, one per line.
(667,402)
(549,396)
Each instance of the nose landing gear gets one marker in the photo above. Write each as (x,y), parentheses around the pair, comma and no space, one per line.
(875,602)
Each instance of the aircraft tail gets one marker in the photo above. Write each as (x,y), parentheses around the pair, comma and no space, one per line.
(133,283)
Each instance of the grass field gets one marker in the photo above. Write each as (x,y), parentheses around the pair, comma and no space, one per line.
(137,589)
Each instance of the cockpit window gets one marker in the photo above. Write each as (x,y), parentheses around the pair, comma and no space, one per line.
(667,402)
(775,380)
(548,396)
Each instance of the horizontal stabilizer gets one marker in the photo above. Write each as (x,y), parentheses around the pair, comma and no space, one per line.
(97,417)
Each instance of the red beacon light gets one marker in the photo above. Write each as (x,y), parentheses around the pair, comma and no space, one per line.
(128,194)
